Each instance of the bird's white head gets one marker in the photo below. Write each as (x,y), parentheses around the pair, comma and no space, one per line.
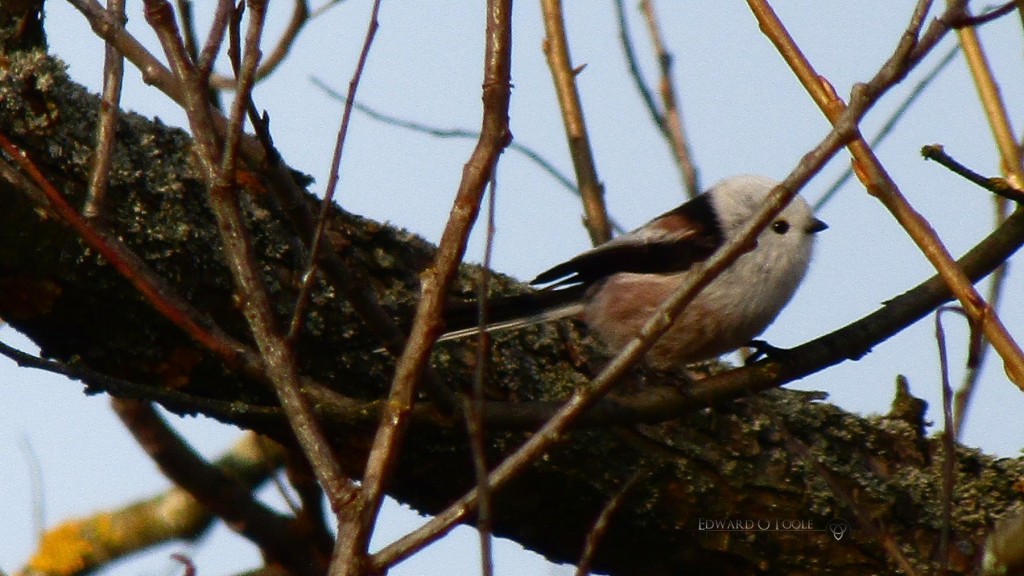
(787,241)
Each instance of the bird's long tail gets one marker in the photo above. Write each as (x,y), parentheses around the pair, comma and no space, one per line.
(506,312)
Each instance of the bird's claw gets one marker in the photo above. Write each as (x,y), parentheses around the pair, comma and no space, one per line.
(764,350)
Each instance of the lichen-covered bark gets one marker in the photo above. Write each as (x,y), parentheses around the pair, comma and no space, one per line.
(782,456)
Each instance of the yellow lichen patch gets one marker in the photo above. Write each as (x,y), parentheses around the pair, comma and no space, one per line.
(70,547)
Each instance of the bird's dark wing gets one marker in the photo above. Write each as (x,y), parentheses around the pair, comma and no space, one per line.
(670,243)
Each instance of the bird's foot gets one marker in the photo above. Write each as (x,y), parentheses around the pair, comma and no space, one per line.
(764,350)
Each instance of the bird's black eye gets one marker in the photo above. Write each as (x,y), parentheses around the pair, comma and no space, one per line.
(780,226)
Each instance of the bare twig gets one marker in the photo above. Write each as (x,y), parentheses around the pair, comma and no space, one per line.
(188,26)
(275,349)
(673,128)
(214,39)
(190,567)
(965,20)
(300,17)
(992,102)
(532,154)
(309,275)
(878,182)
(602,523)
(494,136)
(892,121)
(219,168)
(163,299)
(35,479)
(475,405)
(106,131)
(948,434)
(160,17)
(999,186)
(219,493)
(556,49)
(646,94)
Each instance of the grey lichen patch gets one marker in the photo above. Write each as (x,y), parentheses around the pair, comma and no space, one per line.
(30,77)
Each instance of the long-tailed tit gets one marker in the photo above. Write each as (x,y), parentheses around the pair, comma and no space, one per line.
(615,288)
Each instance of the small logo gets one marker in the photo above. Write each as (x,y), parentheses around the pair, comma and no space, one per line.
(838,528)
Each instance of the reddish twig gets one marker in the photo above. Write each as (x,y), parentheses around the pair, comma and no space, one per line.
(163,299)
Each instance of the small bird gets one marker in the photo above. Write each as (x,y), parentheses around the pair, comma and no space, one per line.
(616,287)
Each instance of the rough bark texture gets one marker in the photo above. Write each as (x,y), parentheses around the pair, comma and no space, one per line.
(782,456)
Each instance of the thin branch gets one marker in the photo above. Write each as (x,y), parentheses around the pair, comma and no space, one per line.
(106,130)
(965,20)
(214,39)
(427,323)
(309,275)
(300,17)
(35,479)
(556,49)
(603,522)
(878,182)
(160,17)
(892,121)
(646,94)
(128,264)
(948,436)
(188,26)
(256,306)
(474,411)
(992,102)
(222,495)
(998,186)
(438,132)
(673,128)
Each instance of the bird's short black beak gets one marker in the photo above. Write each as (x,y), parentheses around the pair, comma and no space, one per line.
(816,226)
